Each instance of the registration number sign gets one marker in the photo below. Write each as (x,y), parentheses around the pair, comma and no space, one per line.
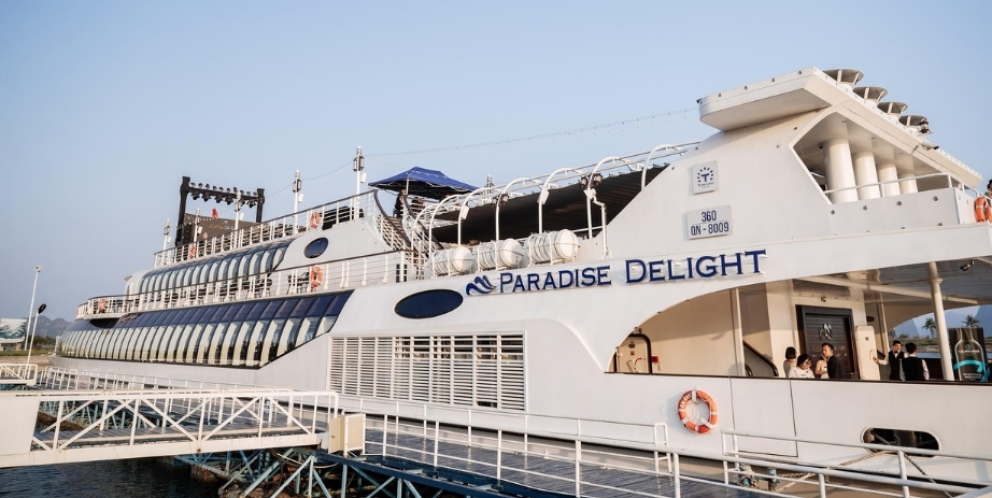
(711,222)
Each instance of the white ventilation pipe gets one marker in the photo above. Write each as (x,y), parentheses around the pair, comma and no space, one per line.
(904,166)
(840,171)
(885,163)
(866,174)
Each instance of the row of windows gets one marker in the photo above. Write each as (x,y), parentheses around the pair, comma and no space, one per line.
(243,334)
(258,260)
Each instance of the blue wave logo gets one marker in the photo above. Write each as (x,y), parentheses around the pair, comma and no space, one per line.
(481,286)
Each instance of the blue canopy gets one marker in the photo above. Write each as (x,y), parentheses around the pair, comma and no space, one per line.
(424,183)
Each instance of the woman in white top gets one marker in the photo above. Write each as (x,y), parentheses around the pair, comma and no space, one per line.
(821,369)
(801,370)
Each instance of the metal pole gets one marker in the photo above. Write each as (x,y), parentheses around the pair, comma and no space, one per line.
(27,326)
(165,234)
(938,314)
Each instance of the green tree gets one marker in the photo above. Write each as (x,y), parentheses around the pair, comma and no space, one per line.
(971,321)
(930,325)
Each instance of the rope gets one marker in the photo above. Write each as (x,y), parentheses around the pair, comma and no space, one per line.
(802,477)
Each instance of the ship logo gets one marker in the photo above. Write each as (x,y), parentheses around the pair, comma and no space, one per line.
(705,176)
(826,332)
(481,286)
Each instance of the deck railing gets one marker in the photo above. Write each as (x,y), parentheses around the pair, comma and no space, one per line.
(342,274)
(315,218)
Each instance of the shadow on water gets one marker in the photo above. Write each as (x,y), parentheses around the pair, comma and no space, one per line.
(145,478)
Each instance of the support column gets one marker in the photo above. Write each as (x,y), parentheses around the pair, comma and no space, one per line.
(885,163)
(840,171)
(904,167)
(946,366)
(866,174)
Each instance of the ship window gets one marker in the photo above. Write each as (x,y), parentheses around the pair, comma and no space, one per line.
(267,261)
(232,309)
(172,279)
(279,254)
(894,437)
(285,308)
(222,271)
(320,306)
(204,271)
(315,248)
(243,312)
(255,263)
(256,310)
(428,304)
(338,304)
(270,310)
(302,308)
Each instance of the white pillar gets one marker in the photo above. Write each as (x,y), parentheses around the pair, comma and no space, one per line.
(840,171)
(885,163)
(866,174)
(946,366)
(904,166)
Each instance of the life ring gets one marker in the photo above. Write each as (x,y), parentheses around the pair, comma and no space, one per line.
(316,276)
(983,209)
(191,253)
(101,306)
(700,427)
(315,219)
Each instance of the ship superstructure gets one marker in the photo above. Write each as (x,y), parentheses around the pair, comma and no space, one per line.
(817,214)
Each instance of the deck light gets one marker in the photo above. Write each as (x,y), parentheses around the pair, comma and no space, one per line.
(967,266)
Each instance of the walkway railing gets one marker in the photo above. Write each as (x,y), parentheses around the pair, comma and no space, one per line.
(315,218)
(342,274)
(18,373)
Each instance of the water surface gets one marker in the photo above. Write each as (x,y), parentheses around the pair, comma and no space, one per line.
(146,478)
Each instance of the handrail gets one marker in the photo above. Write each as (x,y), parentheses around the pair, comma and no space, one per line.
(254,286)
(950,182)
(763,358)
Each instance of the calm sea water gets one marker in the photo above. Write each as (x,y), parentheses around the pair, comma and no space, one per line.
(110,479)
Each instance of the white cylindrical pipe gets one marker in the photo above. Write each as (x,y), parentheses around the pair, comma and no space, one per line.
(904,166)
(866,174)
(887,172)
(840,171)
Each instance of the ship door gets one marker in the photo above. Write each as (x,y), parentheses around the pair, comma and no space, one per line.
(831,326)
(634,355)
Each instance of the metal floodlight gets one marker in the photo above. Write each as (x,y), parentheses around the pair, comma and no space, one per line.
(42,308)
(967,266)
(503,200)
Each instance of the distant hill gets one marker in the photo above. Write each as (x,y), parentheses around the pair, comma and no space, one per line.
(54,327)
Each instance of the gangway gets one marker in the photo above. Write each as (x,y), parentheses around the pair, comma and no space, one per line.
(135,423)
(18,374)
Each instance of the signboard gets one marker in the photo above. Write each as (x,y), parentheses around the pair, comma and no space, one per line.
(13,330)
(710,222)
(704,178)
(209,227)
(970,361)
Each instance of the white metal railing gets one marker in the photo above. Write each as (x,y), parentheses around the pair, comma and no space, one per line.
(291,225)
(342,274)
(902,454)
(192,415)
(18,373)
(574,443)
(57,378)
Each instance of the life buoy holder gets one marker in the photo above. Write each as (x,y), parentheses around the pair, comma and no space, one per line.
(983,209)
(697,426)
(316,276)
(315,219)
(191,253)
(101,306)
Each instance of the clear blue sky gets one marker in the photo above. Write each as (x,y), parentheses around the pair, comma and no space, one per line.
(105,105)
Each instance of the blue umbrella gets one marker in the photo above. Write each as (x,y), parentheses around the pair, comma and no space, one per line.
(422,182)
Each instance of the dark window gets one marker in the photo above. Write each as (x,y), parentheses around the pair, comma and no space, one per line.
(302,307)
(214,314)
(428,304)
(285,308)
(158,318)
(243,311)
(187,316)
(315,248)
(232,309)
(198,315)
(335,307)
(321,305)
(893,437)
(270,310)
(256,310)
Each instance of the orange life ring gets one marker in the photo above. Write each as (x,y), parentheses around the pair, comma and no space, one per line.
(101,305)
(983,209)
(315,219)
(191,253)
(316,276)
(701,427)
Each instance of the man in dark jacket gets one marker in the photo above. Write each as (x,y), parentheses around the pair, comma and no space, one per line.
(913,368)
(894,360)
(835,369)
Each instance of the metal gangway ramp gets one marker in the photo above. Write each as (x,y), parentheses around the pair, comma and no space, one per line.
(121,423)
(18,374)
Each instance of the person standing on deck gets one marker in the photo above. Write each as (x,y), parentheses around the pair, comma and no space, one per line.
(894,360)
(400,207)
(913,368)
(835,369)
(790,361)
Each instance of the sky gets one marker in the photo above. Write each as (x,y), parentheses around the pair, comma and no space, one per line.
(104,106)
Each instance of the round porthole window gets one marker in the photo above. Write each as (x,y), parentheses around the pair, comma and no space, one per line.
(315,248)
(428,304)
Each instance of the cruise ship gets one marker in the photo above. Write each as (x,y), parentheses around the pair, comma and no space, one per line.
(662,286)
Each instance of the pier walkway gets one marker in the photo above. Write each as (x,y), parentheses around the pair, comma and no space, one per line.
(134,422)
